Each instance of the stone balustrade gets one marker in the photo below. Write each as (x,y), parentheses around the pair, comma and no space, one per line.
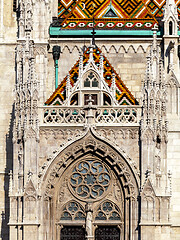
(120,115)
(116,115)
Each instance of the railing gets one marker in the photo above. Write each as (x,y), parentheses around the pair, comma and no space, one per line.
(64,115)
(116,115)
(100,115)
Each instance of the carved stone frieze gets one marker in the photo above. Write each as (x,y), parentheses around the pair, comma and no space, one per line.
(115,134)
(66,134)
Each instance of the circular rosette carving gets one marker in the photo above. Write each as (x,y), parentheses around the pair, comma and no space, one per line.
(90,180)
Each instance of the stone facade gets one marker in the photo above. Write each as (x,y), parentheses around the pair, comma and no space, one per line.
(87,166)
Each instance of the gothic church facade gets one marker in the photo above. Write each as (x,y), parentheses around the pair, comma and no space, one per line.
(90,128)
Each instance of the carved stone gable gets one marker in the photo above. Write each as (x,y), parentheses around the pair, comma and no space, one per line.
(30,189)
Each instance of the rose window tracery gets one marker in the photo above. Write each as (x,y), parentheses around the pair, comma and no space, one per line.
(90,179)
(108,211)
(73,211)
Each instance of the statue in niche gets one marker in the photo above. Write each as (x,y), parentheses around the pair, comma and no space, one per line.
(89,211)
(20,159)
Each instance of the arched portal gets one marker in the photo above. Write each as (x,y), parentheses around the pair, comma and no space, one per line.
(89,187)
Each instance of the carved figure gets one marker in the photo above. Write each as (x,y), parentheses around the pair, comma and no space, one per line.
(89,219)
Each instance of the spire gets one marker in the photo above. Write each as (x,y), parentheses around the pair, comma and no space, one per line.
(171,7)
(93,36)
(93,32)
(170,18)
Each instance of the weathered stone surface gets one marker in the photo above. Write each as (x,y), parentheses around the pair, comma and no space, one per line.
(140,160)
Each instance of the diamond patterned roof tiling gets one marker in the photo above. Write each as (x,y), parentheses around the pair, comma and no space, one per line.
(79,14)
(123,95)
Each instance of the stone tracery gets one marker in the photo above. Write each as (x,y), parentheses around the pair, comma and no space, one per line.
(90,179)
(108,211)
(73,211)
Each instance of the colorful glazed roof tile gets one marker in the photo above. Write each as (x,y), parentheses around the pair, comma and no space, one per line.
(111,14)
(123,95)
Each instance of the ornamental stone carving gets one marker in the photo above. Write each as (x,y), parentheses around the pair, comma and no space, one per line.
(108,211)
(73,211)
(83,173)
(90,180)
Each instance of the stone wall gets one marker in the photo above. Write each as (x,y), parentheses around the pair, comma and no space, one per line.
(8,29)
(128,57)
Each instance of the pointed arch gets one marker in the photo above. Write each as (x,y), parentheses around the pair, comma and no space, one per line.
(171,28)
(122,49)
(108,210)
(152,94)
(70,211)
(76,49)
(66,49)
(62,178)
(148,208)
(91,78)
(104,49)
(113,49)
(148,135)
(131,49)
(148,201)
(30,201)
(140,49)
(91,144)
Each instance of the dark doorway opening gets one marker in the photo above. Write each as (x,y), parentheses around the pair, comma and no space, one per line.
(107,233)
(72,233)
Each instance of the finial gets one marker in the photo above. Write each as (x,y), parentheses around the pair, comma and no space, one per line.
(147,173)
(29,174)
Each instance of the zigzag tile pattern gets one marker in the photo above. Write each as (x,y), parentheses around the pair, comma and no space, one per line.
(128,11)
(121,94)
